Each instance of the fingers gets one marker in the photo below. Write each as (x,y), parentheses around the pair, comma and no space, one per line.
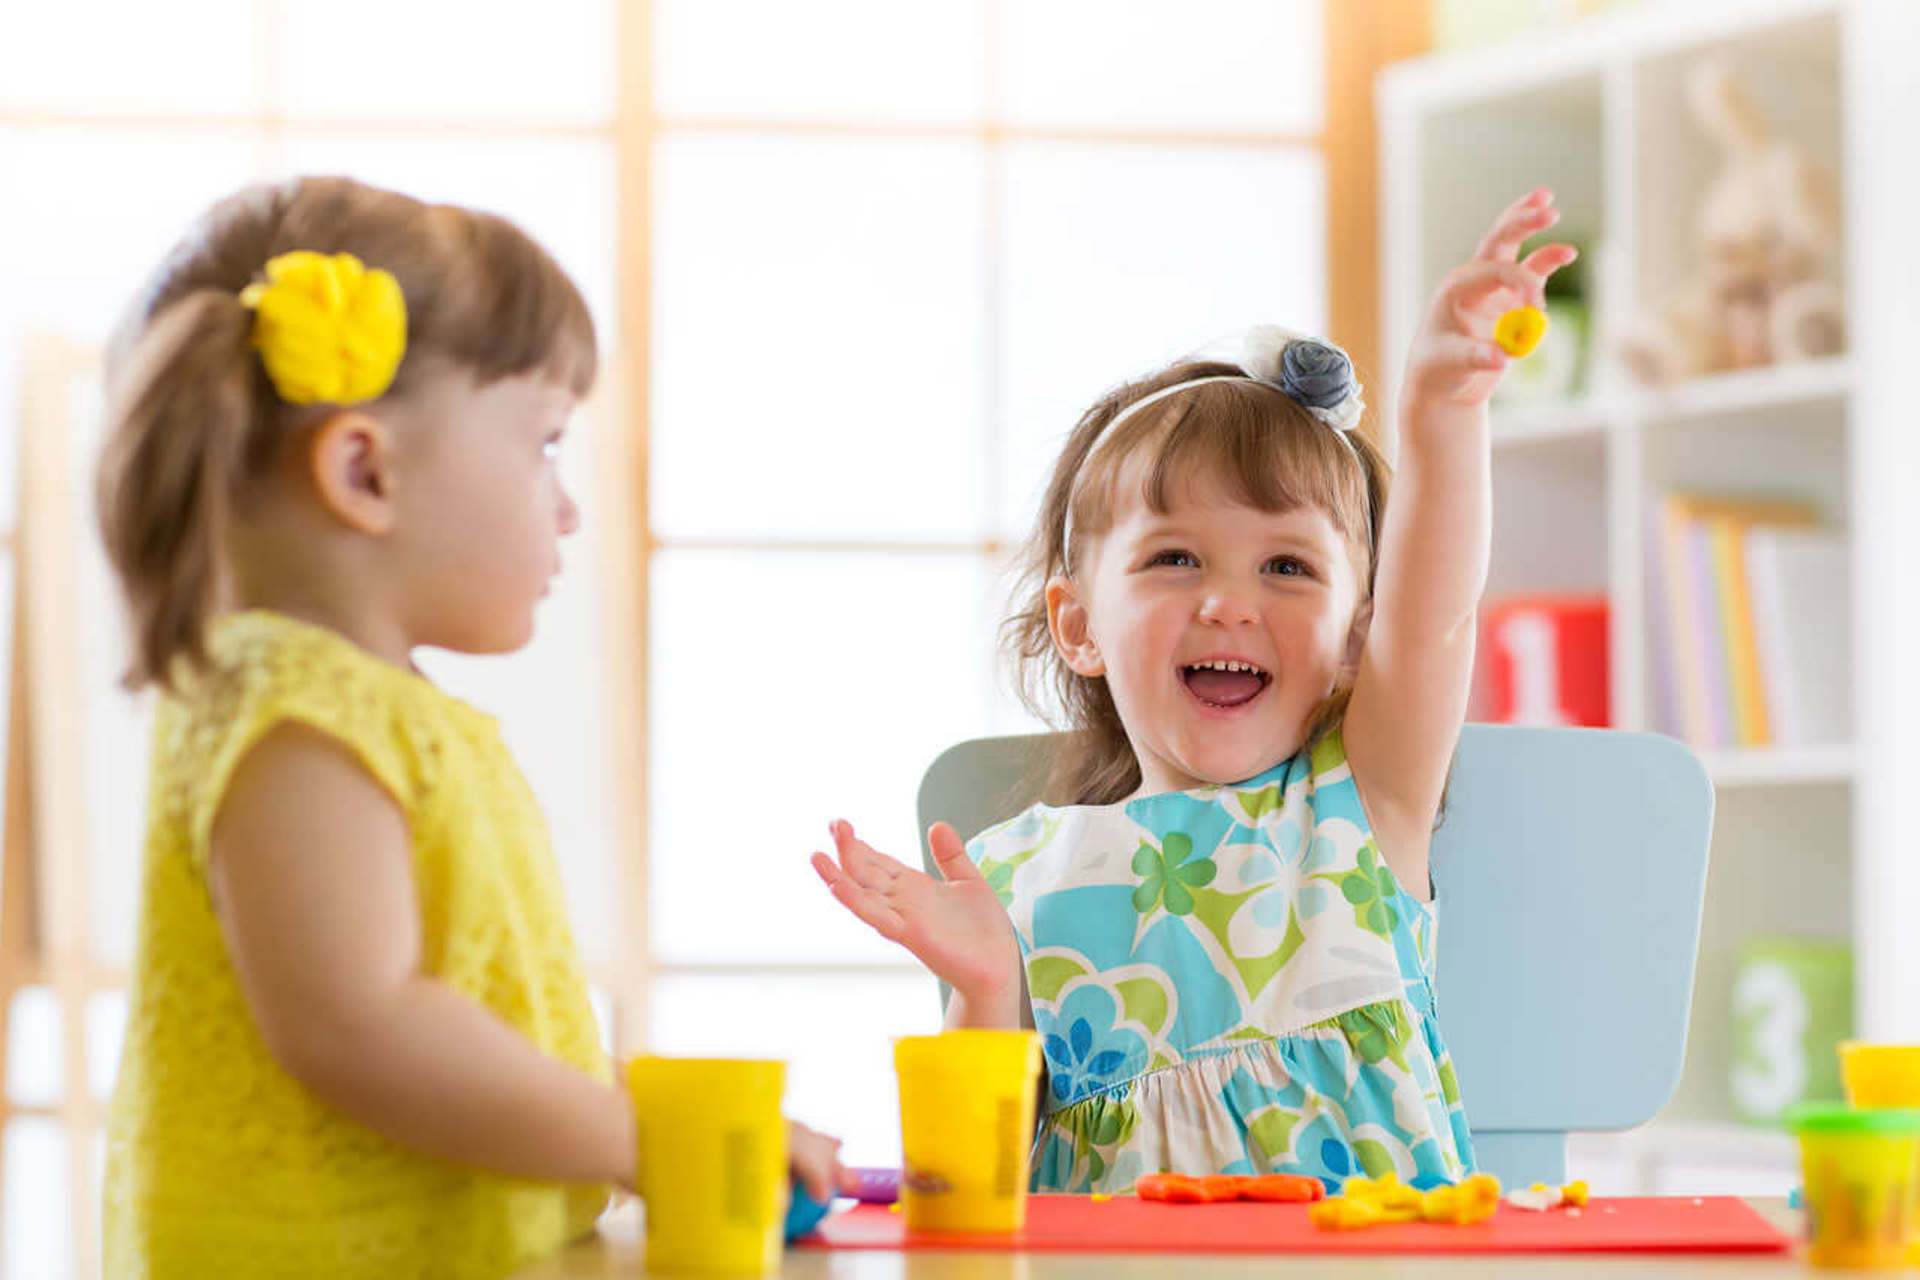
(1485,289)
(867,865)
(1448,360)
(1549,258)
(847,1180)
(1527,216)
(827,869)
(950,853)
(871,908)
(815,1159)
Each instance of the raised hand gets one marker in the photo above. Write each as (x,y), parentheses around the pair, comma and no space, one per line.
(955,925)
(1454,360)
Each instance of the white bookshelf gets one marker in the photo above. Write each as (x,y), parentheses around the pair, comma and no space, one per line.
(1810,841)
(1780,766)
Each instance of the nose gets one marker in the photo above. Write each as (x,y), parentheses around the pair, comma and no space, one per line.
(569,514)
(1226,604)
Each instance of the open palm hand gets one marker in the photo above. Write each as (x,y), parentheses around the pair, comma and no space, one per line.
(954,924)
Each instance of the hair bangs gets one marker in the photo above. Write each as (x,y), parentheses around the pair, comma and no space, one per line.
(1248,442)
(521,313)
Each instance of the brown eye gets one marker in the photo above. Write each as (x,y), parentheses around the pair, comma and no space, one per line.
(1289,567)
(1175,559)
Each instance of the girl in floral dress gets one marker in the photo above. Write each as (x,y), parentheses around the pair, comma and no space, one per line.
(1225,932)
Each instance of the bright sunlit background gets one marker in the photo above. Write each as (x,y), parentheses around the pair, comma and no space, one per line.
(856,265)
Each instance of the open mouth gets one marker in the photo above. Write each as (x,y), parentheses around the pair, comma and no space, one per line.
(1224,682)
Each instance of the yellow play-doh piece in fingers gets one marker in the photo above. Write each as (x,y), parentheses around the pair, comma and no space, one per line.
(1519,331)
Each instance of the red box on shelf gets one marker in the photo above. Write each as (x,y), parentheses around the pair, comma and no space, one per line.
(1544,660)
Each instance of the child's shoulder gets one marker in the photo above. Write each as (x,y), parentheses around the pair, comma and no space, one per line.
(1050,836)
(261,648)
(266,670)
(1030,826)
(271,663)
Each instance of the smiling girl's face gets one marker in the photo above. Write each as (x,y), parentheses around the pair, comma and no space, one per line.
(1220,628)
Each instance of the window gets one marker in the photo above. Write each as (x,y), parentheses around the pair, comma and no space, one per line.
(884,288)
(856,266)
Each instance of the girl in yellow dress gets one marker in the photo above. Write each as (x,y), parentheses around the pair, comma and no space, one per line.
(359,1041)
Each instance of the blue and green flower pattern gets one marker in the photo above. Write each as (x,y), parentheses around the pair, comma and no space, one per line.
(1228,980)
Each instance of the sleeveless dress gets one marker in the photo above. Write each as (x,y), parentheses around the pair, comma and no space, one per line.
(1228,980)
(219,1163)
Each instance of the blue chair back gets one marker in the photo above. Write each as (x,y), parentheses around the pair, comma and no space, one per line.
(1570,869)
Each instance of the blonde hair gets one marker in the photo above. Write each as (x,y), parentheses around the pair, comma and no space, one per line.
(1261,447)
(194,420)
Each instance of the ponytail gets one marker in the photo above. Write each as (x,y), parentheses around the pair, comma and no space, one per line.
(185,403)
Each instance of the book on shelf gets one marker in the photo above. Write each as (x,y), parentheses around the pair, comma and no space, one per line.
(1802,613)
(1747,705)
(1750,622)
(1544,660)
(1701,627)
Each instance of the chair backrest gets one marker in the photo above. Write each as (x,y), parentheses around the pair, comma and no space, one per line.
(1570,870)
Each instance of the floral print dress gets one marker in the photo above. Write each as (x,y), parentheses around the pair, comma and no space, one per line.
(1228,980)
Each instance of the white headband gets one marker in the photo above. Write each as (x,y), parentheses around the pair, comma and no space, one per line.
(1316,375)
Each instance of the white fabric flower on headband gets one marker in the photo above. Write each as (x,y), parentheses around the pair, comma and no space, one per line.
(1316,374)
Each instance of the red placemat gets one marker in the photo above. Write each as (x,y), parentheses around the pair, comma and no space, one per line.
(1127,1224)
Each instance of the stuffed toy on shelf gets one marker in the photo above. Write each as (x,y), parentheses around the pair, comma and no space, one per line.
(1766,288)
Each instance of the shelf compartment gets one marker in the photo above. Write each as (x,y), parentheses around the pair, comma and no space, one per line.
(1548,421)
(1787,69)
(1780,766)
(1749,391)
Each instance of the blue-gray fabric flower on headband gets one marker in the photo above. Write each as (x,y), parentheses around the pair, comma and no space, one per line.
(1316,374)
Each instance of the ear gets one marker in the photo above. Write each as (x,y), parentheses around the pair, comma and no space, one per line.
(351,463)
(1067,620)
(1356,641)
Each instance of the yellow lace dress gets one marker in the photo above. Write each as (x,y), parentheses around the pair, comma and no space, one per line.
(218,1162)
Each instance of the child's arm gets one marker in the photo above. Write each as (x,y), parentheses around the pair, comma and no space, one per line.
(956,925)
(1410,692)
(311,873)
(1006,1009)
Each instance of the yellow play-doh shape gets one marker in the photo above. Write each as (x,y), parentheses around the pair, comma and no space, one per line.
(1367,1202)
(1345,1215)
(1519,331)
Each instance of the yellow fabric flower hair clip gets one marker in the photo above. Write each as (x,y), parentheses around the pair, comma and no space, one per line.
(328,329)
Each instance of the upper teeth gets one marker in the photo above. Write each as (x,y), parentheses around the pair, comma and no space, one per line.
(1223,664)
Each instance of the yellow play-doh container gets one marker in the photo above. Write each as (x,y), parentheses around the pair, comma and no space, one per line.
(966,1124)
(1883,1075)
(1858,1169)
(712,1162)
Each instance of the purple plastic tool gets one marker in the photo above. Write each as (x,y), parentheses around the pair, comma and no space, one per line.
(878,1186)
